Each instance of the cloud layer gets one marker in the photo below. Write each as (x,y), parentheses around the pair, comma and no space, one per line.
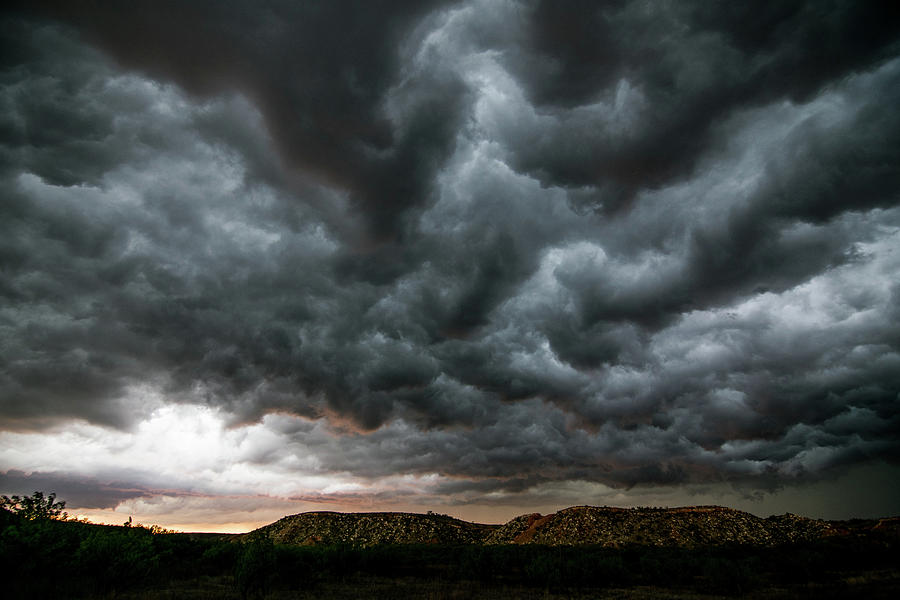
(484,246)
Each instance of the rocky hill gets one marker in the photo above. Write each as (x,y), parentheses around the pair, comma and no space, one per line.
(681,527)
(604,526)
(369,529)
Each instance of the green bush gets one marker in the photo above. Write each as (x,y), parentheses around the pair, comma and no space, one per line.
(254,572)
(115,559)
(36,548)
(296,567)
(544,569)
(731,575)
(220,557)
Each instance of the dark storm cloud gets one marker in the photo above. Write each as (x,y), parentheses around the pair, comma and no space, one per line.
(507,243)
(77,491)
(318,71)
(683,66)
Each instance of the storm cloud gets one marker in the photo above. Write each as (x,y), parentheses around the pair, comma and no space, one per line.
(486,246)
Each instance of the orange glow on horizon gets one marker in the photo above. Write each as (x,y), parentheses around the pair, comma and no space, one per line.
(170,522)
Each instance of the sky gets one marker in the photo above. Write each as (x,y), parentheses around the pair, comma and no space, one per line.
(485,258)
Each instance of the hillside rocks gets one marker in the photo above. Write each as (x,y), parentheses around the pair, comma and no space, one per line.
(578,525)
(681,527)
(369,529)
(793,528)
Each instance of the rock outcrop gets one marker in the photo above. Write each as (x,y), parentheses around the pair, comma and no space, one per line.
(369,529)
(681,527)
(579,525)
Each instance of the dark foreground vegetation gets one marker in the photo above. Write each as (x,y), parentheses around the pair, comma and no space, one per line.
(54,558)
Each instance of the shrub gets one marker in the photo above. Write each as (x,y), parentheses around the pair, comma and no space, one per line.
(117,558)
(255,568)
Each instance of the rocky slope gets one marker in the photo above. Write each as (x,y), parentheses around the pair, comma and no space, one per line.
(369,529)
(604,526)
(682,527)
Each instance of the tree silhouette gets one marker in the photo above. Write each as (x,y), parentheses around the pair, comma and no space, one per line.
(36,507)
